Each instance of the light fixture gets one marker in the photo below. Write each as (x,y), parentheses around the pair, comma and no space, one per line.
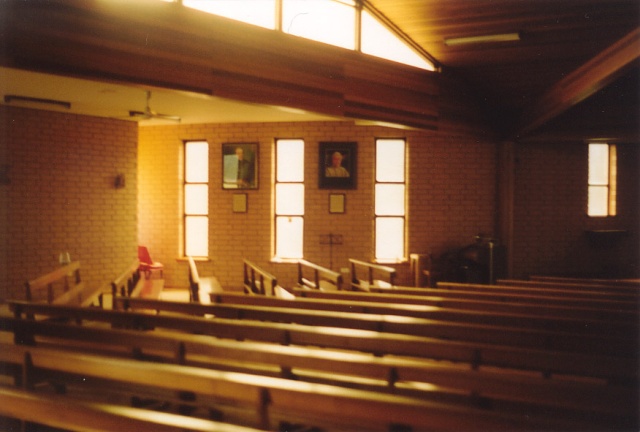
(26,99)
(503,37)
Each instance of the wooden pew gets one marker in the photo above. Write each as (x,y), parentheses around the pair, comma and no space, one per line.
(313,276)
(270,400)
(479,333)
(258,281)
(201,287)
(632,283)
(476,355)
(580,287)
(478,388)
(122,285)
(375,275)
(67,413)
(66,277)
(496,293)
(546,310)
(591,326)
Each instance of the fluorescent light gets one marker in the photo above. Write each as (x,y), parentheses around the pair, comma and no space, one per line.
(504,37)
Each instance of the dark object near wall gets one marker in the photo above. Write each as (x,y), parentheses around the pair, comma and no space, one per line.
(482,262)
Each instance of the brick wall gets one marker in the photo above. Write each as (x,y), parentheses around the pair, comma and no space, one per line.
(550,217)
(451,199)
(62,196)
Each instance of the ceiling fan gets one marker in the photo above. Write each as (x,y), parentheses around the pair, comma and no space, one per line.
(148,114)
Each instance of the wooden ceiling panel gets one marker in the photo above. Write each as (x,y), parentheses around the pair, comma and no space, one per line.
(557,37)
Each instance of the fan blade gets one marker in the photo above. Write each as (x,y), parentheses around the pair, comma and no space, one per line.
(166,117)
(139,114)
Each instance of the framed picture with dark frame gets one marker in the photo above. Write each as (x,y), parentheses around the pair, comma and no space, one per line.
(240,166)
(337,165)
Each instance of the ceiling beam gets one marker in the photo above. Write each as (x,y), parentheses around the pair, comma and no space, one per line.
(582,83)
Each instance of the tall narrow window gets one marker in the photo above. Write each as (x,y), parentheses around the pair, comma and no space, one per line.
(602,180)
(289,199)
(390,190)
(196,198)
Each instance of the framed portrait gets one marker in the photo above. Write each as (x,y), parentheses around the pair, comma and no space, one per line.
(337,165)
(240,166)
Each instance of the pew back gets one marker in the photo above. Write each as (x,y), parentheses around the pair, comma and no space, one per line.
(65,278)
(201,287)
(257,280)
(472,353)
(313,276)
(401,374)
(365,275)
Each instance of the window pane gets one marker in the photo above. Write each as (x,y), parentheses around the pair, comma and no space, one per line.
(379,41)
(289,237)
(289,199)
(196,235)
(390,160)
(389,239)
(257,12)
(196,199)
(325,21)
(598,199)
(196,156)
(613,180)
(598,164)
(389,199)
(290,161)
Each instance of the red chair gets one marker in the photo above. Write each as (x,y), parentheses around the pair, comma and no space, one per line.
(147,265)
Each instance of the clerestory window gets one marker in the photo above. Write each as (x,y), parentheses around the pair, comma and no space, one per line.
(342,23)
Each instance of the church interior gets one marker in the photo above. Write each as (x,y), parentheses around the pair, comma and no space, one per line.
(209,224)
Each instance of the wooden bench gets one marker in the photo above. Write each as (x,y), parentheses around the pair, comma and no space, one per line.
(495,293)
(313,276)
(122,285)
(67,413)
(201,287)
(591,326)
(375,275)
(474,388)
(449,330)
(259,281)
(65,278)
(631,283)
(579,287)
(545,310)
(265,401)
(476,355)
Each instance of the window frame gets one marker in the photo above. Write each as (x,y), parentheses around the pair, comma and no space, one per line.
(609,185)
(379,217)
(276,215)
(185,215)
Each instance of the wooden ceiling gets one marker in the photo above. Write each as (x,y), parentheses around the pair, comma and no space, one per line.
(557,37)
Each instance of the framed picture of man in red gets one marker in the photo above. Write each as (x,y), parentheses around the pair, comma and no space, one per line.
(337,165)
